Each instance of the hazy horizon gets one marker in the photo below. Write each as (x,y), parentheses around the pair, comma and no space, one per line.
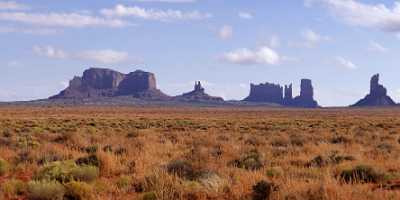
(339,44)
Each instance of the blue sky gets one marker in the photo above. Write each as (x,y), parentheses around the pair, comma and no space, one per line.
(227,44)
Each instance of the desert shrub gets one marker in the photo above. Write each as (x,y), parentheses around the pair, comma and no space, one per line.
(211,180)
(274,172)
(121,151)
(45,190)
(49,157)
(27,142)
(78,191)
(13,187)
(340,140)
(67,171)
(249,161)
(262,190)
(108,148)
(149,196)
(92,160)
(361,174)
(91,149)
(85,173)
(182,169)
(333,159)
(124,182)
(4,167)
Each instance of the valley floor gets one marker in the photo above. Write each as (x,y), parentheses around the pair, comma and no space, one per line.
(199,153)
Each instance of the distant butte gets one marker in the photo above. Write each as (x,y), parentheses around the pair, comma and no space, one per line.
(198,95)
(275,93)
(377,95)
(99,82)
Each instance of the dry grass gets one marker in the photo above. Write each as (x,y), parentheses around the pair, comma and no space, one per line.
(201,153)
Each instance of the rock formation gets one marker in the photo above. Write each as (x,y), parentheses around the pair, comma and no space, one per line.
(377,95)
(98,82)
(198,95)
(306,98)
(268,92)
(274,93)
(288,99)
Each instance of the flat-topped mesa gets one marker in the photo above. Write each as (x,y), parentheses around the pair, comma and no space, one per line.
(99,82)
(377,95)
(265,92)
(306,98)
(197,95)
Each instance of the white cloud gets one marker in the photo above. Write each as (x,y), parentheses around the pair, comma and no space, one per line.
(12,5)
(245,15)
(167,1)
(50,52)
(312,38)
(32,31)
(362,14)
(376,47)
(106,56)
(263,55)
(226,32)
(345,63)
(153,14)
(74,20)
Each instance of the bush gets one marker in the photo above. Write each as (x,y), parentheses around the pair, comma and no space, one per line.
(249,161)
(182,169)
(89,160)
(262,190)
(13,187)
(45,190)
(85,173)
(67,171)
(361,174)
(78,191)
(149,196)
(4,166)
(124,182)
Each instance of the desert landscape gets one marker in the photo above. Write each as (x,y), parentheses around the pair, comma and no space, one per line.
(198,153)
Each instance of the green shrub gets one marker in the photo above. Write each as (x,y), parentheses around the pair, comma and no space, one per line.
(149,196)
(4,166)
(45,190)
(13,187)
(78,191)
(85,173)
(67,171)
(124,182)
(249,161)
(361,174)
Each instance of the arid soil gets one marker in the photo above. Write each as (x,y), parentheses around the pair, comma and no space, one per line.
(199,153)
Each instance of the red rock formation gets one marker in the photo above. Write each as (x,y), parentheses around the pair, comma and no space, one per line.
(377,95)
(97,82)
(198,95)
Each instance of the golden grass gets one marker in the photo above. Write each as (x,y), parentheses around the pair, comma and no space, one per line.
(136,145)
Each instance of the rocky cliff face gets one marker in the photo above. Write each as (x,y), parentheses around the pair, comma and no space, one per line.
(274,93)
(98,82)
(306,98)
(268,92)
(197,95)
(377,95)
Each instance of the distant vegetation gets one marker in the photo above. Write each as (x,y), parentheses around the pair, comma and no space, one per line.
(198,153)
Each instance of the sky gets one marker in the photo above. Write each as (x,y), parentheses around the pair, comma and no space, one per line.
(226,44)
